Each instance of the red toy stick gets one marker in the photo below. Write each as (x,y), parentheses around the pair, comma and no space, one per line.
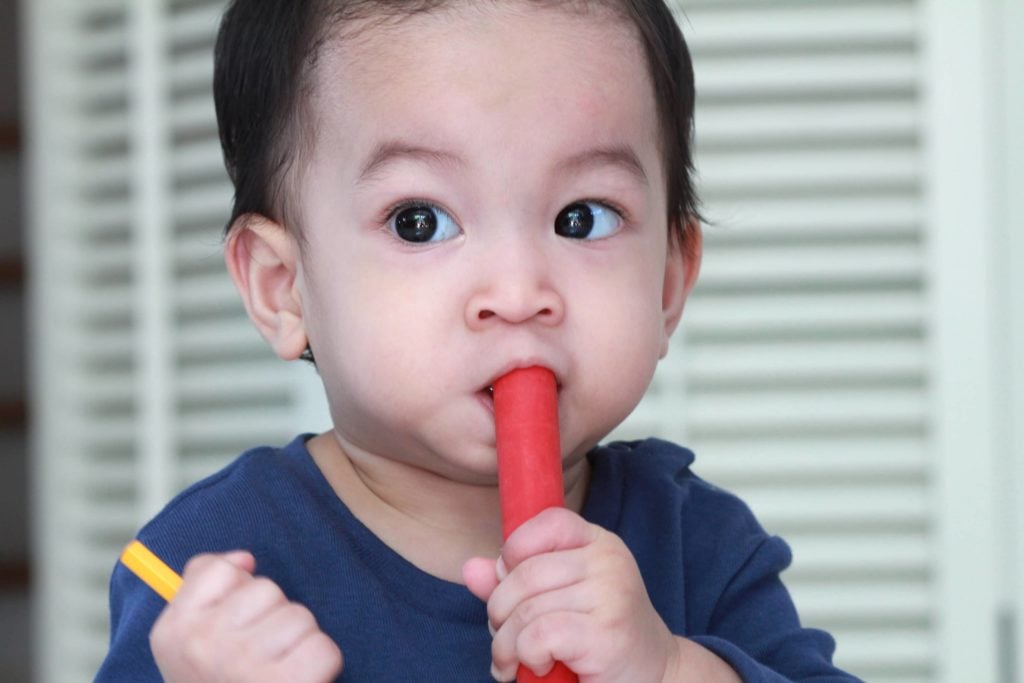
(529,462)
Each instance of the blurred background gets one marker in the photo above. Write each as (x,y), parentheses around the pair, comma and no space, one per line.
(850,363)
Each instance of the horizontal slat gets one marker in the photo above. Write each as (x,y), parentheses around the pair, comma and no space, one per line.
(231,382)
(91,89)
(94,389)
(107,262)
(746,27)
(818,218)
(99,516)
(794,460)
(218,426)
(112,432)
(102,45)
(191,71)
(757,363)
(902,649)
(108,129)
(210,203)
(193,293)
(864,602)
(798,411)
(865,555)
(97,520)
(200,256)
(104,221)
(195,22)
(118,475)
(216,337)
(94,563)
(196,467)
(102,347)
(706,420)
(194,112)
(713,316)
(196,159)
(219,299)
(102,174)
(787,123)
(114,304)
(811,266)
(98,12)
(837,507)
(786,76)
(808,171)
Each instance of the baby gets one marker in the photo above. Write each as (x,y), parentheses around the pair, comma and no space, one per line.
(430,194)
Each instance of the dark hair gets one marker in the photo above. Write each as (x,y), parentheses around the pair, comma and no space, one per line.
(265,57)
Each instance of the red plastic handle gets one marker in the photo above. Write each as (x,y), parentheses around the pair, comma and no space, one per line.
(529,462)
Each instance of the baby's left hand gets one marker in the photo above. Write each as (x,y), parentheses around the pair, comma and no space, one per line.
(567,590)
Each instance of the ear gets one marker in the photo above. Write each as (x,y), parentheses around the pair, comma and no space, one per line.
(262,258)
(682,266)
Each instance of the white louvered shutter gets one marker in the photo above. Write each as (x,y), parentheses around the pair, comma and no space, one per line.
(149,374)
(804,352)
(803,376)
(83,285)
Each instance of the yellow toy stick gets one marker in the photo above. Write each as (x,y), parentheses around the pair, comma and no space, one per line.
(151,569)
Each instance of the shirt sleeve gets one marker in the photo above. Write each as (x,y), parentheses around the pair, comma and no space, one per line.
(134,607)
(756,630)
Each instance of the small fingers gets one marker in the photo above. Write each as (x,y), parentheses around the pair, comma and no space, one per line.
(226,625)
(280,631)
(251,602)
(506,646)
(536,576)
(552,530)
(208,578)
(553,637)
(314,659)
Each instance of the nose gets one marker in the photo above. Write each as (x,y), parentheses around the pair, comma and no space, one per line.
(517,287)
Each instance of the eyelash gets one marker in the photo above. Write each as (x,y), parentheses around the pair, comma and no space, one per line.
(392,210)
(619,210)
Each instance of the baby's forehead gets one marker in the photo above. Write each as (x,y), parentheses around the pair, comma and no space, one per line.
(367,52)
(459,50)
(349,37)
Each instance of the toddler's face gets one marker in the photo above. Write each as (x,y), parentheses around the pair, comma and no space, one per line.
(486,192)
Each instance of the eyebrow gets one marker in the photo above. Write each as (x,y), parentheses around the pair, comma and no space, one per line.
(623,158)
(390,151)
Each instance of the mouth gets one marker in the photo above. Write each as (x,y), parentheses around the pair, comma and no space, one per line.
(486,393)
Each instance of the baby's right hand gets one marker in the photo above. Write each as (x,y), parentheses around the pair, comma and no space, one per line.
(226,625)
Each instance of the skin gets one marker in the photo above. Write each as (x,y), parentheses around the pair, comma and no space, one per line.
(502,116)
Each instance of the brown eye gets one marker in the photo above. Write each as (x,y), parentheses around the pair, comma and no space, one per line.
(421,223)
(587,220)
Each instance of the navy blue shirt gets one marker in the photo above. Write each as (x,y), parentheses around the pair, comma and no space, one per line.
(710,569)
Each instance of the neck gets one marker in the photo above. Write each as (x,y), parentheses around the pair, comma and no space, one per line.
(434,522)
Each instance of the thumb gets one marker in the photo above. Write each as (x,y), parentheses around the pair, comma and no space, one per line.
(481,576)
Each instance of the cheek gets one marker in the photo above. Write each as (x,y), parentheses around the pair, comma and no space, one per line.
(623,325)
(384,330)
